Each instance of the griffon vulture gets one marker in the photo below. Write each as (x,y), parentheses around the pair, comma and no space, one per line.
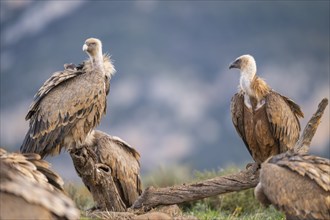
(110,169)
(30,190)
(70,104)
(266,120)
(298,185)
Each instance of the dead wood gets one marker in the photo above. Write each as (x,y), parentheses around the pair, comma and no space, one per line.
(304,142)
(98,179)
(245,179)
(153,197)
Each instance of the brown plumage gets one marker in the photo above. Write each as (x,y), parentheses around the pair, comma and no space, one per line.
(298,185)
(266,120)
(30,190)
(70,104)
(109,168)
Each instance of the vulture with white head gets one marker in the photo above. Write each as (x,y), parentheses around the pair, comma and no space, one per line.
(297,184)
(70,104)
(266,120)
(29,189)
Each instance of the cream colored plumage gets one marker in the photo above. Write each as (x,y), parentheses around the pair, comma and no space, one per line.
(70,104)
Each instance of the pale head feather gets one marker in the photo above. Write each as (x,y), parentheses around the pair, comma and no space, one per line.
(248,65)
(93,47)
(249,82)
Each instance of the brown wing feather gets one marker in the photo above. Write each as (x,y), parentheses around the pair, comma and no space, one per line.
(77,103)
(313,167)
(31,166)
(52,82)
(284,122)
(70,101)
(124,163)
(295,108)
(237,115)
(297,185)
(25,187)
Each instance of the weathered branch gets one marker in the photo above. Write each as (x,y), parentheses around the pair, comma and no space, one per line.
(153,197)
(245,179)
(303,144)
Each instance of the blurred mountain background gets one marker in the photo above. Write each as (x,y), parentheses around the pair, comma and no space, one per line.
(171,94)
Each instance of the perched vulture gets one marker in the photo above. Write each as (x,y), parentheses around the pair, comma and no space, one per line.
(110,169)
(30,190)
(298,185)
(266,120)
(70,104)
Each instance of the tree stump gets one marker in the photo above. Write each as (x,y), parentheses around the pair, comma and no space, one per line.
(97,179)
(110,169)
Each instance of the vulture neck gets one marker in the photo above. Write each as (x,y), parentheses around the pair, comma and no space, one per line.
(97,61)
(254,88)
(247,78)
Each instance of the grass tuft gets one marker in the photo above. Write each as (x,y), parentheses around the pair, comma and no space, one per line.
(80,195)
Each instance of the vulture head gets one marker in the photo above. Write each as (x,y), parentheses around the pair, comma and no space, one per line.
(248,68)
(246,64)
(93,47)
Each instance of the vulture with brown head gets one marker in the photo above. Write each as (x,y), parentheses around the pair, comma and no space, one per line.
(30,190)
(110,169)
(266,120)
(70,104)
(297,184)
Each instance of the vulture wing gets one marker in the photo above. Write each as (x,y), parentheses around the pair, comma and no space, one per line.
(313,167)
(283,115)
(297,184)
(57,113)
(237,115)
(123,161)
(52,82)
(26,191)
(71,103)
(32,167)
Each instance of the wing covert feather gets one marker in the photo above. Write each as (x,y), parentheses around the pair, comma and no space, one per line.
(52,82)
(284,123)
(313,167)
(237,115)
(297,184)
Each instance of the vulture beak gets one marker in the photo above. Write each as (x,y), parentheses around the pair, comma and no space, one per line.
(235,64)
(85,47)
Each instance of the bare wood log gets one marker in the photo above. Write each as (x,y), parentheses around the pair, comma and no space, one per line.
(110,169)
(245,179)
(97,178)
(303,144)
(153,197)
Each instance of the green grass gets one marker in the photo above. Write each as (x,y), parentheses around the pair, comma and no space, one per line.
(229,206)
(80,195)
(235,205)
